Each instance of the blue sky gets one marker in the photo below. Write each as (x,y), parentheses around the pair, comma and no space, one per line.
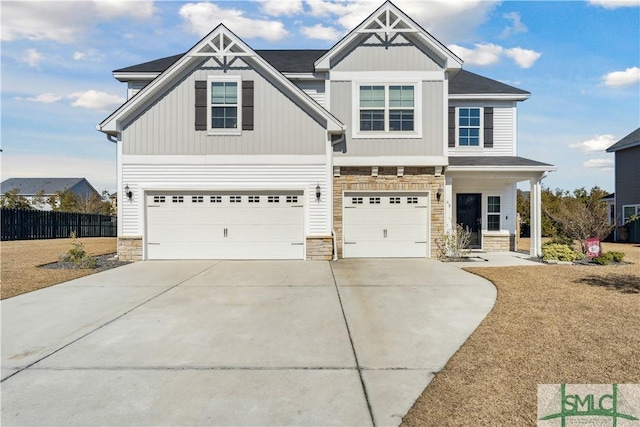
(580,61)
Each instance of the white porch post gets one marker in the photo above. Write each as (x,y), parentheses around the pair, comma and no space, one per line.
(535,202)
(448,205)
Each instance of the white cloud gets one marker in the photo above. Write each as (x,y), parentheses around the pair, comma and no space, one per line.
(614,4)
(622,78)
(45,98)
(89,55)
(486,54)
(483,55)
(598,143)
(525,58)
(320,32)
(201,18)
(62,21)
(604,164)
(446,20)
(32,57)
(96,100)
(139,9)
(281,7)
(516,25)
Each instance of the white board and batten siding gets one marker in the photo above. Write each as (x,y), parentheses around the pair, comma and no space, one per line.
(149,178)
(504,130)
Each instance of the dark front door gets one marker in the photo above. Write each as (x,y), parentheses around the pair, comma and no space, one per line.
(469,214)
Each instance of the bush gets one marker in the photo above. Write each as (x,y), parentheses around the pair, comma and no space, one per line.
(604,259)
(559,252)
(617,256)
(78,255)
(561,240)
(454,244)
(608,257)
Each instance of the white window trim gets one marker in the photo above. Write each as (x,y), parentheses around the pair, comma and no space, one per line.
(637,211)
(498,214)
(217,78)
(418,113)
(481,136)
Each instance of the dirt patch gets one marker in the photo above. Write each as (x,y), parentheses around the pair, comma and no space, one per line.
(21,260)
(551,324)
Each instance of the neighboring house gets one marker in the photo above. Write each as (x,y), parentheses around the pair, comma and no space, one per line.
(373,148)
(627,179)
(32,187)
(113,199)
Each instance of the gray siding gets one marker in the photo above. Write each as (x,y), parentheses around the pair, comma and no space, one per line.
(504,114)
(166,126)
(431,143)
(314,88)
(401,54)
(627,178)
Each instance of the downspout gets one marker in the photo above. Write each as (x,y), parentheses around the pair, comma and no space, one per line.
(335,245)
(110,138)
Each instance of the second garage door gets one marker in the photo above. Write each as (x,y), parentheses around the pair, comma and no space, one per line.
(385,225)
(225,225)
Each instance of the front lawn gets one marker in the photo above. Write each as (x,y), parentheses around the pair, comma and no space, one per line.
(551,324)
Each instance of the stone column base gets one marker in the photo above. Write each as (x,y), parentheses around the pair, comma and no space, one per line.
(498,242)
(320,248)
(130,248)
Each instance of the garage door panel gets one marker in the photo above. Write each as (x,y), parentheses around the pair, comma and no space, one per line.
(228,225)
(385,224)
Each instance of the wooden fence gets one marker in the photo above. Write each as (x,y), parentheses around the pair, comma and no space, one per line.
(19,224)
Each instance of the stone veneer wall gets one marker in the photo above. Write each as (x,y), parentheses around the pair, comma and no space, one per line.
(413,179)
(130,248)
(319,248)
(498,243)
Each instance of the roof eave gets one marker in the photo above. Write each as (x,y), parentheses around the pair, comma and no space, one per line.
(135,76)
(613,148)
(502,168)
(492,96)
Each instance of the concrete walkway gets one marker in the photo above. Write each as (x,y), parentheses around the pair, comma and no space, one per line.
(349,343)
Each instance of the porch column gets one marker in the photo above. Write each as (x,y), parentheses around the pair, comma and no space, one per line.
(535,202)
(448,205)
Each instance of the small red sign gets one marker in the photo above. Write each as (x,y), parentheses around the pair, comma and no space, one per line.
(593,248)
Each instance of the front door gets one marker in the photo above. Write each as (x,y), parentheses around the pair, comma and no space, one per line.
(469,214)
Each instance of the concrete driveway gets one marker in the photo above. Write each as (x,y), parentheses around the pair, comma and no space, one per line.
(352,342)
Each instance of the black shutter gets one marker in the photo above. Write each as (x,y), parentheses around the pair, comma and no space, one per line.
(488,127)
(247,105)
(452,126)
(201,105)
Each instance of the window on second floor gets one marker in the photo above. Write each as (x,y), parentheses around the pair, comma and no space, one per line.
(387,109)
(469,127)
(224,104)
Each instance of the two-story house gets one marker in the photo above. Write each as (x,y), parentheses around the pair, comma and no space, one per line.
(373,148)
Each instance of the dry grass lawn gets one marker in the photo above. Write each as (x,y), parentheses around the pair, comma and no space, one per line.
(551,324)
(20,260)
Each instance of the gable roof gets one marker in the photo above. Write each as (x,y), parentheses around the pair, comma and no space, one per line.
(631,140)
(203,49)
(32,186)
(402,23)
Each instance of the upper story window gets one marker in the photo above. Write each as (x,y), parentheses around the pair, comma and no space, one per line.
(469,127)
(386,110)
(224,104)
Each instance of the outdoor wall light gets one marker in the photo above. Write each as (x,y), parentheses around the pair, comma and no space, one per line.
(439,194)
(318,192)
(128,192)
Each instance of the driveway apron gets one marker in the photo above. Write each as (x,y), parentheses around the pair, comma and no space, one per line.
(352,342)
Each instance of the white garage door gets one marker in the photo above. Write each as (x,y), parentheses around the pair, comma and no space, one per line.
(385,225)
(225,225)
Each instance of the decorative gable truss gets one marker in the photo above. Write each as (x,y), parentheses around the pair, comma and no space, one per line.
(388,21)
(225,48)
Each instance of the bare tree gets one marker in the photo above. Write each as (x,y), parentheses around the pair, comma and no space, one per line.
(581,216)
